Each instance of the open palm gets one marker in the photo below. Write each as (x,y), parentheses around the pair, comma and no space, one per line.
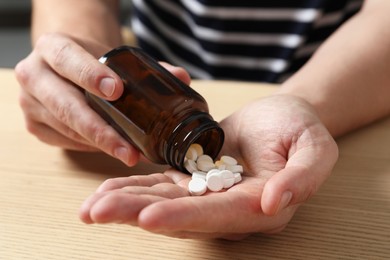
(286,152)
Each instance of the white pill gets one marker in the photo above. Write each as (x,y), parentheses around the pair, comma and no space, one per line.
(191,154)
(212,171)
(205,165)
(198,148)
(228,178)
(235,168)
(205,158)
(215,182)
(228,160)
(226,174)
(199,174)
(190,165)
(237,177)
(197,186)
(228,182)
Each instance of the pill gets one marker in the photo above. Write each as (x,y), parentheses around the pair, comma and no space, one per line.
(199,174)
(205,158)
(215,182)
(190,166)
(197,186)
(228,160)
(212,171)
(237,177)
(228,182)
(198,148)
(191,154)
(207,174)
(226,174)
(235,168)
(205,165)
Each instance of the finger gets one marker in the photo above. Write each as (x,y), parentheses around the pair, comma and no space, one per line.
(73,62)
(228,212)
(67,104)
(84,211)
(118,213)
(179,72)
(47,135)
(300,179)
(166,190)
(135,180)
(120,207)
(48,129)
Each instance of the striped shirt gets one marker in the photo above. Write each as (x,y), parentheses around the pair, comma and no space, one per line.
(252,40)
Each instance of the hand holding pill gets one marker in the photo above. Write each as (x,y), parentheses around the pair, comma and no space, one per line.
(276,155)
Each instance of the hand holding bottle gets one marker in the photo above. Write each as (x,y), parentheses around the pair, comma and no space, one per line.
(53,79)
(286,152)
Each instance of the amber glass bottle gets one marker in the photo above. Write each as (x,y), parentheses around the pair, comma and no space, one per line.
(157,113)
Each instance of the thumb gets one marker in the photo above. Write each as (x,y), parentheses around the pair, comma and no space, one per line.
(296,183)
(289,186)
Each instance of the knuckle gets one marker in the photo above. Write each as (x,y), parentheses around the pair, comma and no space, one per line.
(108,184)
(99,135)
(43,40)
(60,54)
(31,127)
(24,102)
(87,75)
(22,73)
(63,112)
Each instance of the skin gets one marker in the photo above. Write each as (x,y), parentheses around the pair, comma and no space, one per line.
(287,155)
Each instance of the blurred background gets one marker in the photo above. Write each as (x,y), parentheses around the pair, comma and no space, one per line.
(15,29)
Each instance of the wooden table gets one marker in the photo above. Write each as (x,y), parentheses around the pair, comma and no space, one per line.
(42,188)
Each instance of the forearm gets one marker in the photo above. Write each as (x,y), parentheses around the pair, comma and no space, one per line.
(88,19)
(348,79)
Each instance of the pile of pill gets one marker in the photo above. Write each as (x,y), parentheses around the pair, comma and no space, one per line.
(207,174)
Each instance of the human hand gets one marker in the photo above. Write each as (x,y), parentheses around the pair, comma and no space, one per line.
(286,152)
(53,79)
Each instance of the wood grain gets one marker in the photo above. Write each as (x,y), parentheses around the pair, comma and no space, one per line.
(42,188)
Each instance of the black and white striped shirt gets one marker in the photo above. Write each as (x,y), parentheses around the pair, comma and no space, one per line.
(253,40)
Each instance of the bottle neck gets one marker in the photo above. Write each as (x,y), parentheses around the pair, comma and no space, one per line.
(198,128)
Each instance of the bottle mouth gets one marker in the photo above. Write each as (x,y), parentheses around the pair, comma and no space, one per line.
(199,128)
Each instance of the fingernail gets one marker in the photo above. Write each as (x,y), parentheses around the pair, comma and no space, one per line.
(122,153)
(285,200)
(107,86)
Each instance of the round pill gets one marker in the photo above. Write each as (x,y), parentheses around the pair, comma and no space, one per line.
(212,171)
(226,174)
(191,154)
(190,166)
(199,174)
(198,148)
(237,177)
(205,165)
(197,186)
(235,168)
(205,157)
(215,182)
(228,182)
(228,160)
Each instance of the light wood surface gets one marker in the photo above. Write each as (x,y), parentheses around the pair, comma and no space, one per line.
(42,188)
